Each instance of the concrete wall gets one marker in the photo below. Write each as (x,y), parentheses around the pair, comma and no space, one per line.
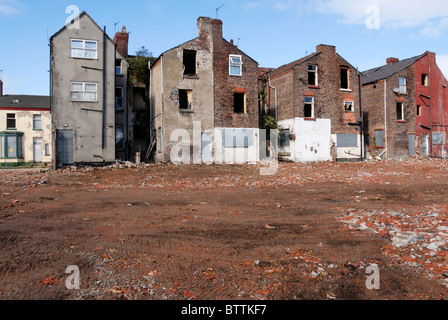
(312,142)
(87,125)
(24,124)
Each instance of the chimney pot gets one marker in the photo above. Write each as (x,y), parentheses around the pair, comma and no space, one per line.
(392,60)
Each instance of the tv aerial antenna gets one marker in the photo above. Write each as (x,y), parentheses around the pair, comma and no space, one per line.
(217,10)
(115,26)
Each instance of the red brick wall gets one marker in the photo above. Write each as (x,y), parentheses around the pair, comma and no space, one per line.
(225,84)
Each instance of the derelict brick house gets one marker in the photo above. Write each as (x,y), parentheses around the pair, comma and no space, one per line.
(316,101)
(208,89)
(406,108)
(83,93)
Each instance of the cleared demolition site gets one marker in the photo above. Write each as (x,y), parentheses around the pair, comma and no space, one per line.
(166,232)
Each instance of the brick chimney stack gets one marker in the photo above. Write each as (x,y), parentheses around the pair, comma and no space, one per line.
(122,41)
(325,48)
(392,60)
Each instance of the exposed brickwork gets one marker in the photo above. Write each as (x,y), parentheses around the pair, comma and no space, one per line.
(292,88)
(122,40)
(225,84)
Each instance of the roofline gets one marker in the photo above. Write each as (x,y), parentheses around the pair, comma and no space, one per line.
(299,61)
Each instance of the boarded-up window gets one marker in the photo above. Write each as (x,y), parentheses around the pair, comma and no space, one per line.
(347,140)
(379,138)
(438,138)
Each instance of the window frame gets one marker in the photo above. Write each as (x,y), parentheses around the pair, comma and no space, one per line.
(316,75)
(118,68)
(425,80)
(419,112)
(9,118)
(347,69)
(403,87)
(401,104)
(84,49)
(232,64)
(117,99)
(18,145)
(84,84)
(37,121)
(313,116)
(352,109)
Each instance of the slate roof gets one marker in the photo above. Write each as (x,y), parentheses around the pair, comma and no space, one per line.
(291,65)
(25,102)
(384,72)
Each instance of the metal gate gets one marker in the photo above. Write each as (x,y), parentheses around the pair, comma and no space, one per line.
(64,147)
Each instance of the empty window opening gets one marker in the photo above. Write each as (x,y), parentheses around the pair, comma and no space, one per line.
(345,82)
(309,107)
(239,102)
(425,80)
(189,62)
(419,111)
(185,99)
(402,84)
(400,111)
(349,106)
(11,121)
(312,75)
(284,137)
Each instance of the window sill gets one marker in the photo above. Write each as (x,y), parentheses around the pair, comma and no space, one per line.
(194,77)
(403,93)
(313,87)
(39,130)
(401,121)
(80,101)
(78,58)
(346,90)
(186,111)
(11,129)
(236,75)
(310,119)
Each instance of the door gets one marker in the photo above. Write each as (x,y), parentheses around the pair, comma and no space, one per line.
(37,150)
(64,145)
(425,145)
(207,150)
(412,145)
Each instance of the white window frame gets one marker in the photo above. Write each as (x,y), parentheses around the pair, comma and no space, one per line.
(83,91)
(402,86)
(119,69)
(233,64)
(312,107)
(346,103)
(84,49)
(316,79)
(37,118)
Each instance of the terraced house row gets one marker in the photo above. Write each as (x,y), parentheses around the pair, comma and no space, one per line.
(206,101)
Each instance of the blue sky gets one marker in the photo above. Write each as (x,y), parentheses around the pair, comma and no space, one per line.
(273,32)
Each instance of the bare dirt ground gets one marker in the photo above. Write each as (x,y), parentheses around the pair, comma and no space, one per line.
(225,232)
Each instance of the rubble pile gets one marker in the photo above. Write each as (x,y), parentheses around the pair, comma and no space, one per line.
(416,239)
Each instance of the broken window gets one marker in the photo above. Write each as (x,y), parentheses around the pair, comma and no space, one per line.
(189,63)
(349,106)
(312,75)
(425,80)
(345,82)
(119,137)
(400,111)
(419,110)
(185,99)
(236,65)
(118,66)
(309,107)
(118,98)
(11,121)
(402,84)
(239,102)
(379,138)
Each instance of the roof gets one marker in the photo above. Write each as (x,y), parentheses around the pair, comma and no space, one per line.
(25,102)
(384,72)
(290,65)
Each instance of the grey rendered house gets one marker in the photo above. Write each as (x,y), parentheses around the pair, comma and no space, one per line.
(83,93)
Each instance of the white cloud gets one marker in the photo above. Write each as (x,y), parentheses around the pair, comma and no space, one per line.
(9,7)
(442,62)
(397,13)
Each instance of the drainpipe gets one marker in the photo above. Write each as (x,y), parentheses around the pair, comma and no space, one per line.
(430,110)
(104,89)
(276,105)
(361,126)
(162,120)
(385,117)
(151,112)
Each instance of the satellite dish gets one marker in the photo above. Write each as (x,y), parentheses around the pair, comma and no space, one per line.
(397,90)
